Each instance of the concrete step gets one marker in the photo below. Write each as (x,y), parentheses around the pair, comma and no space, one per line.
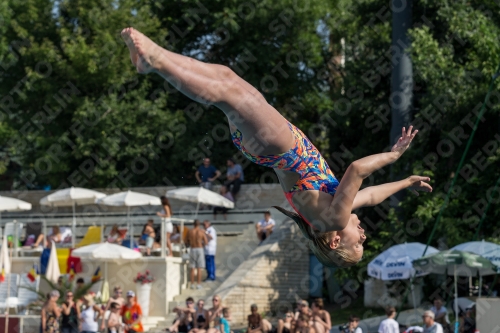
(232,251)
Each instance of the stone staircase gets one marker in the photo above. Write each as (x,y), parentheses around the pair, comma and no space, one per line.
(231,252)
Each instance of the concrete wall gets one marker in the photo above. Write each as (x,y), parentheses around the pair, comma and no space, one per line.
(487,312)
(170,274)
(274,277)
(383,294)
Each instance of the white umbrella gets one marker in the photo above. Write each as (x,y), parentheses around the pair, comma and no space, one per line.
(395,263)
(8,204)
(4,257)
(200,195)
(53,271)
(71,197)
(106,252)
(128,199)
(490,251)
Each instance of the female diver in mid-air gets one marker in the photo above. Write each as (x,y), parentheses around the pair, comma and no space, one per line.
(323,205)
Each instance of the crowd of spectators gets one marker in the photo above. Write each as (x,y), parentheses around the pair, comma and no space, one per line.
(207,175)
(435,320)
(83,315)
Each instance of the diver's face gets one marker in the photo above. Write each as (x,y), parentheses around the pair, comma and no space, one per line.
(353,237)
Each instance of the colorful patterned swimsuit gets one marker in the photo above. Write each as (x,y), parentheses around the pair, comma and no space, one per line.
(303,158)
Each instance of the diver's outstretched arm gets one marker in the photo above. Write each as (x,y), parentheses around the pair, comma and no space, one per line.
(374,195)
(342,204)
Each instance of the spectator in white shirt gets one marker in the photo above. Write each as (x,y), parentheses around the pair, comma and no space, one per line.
(389,325)
(210,250)
(265,227)
(430,326)
(440,312)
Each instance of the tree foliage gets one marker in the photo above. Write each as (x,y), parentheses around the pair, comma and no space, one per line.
(74,112)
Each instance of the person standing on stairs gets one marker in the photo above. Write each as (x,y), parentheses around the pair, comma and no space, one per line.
(210,250)
(197,239)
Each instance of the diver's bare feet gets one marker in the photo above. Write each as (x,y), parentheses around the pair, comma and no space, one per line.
(143,51)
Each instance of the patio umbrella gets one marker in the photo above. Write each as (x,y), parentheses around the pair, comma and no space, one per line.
(71,197)
(4,257)
(395,263)
(129,199)
(456,263)
(490,251)
(106,252)
(200,195)
(8,204)
(53,272)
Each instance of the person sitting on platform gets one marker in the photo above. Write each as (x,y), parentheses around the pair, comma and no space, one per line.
(226,194)
(256,324)
(286,325)
(115,236)
(321,319)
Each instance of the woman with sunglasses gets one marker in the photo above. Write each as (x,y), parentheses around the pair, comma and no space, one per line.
(116,298)
(216,311)
(286,325)
(303,325)
(185,317)
(70,314)
(200,318)
(322,322)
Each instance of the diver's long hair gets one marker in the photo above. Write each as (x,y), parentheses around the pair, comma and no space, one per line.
(319,243)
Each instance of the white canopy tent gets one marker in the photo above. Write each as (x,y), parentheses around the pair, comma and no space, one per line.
(71,197)
(130,199)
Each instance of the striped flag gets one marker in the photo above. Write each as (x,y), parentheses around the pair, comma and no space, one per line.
(2,274)
(33,274)
(97,275)
(72,272)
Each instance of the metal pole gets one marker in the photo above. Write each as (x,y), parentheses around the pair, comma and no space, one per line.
(197,208)
(73,239)
(480,283)
(8,291)
(131,237)
(163,238)
(44,233)
(16,237)
(102,231)
(402,79)
(456,298)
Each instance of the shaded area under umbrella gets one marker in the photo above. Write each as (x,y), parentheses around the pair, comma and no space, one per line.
(456,263)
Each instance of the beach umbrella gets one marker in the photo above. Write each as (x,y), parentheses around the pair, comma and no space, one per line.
(456,263)
(488,250)
(8,204)
(4,257)
(200,195)
(53,272)
(71,197)
(395,263)
(129,199)
(106,252)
